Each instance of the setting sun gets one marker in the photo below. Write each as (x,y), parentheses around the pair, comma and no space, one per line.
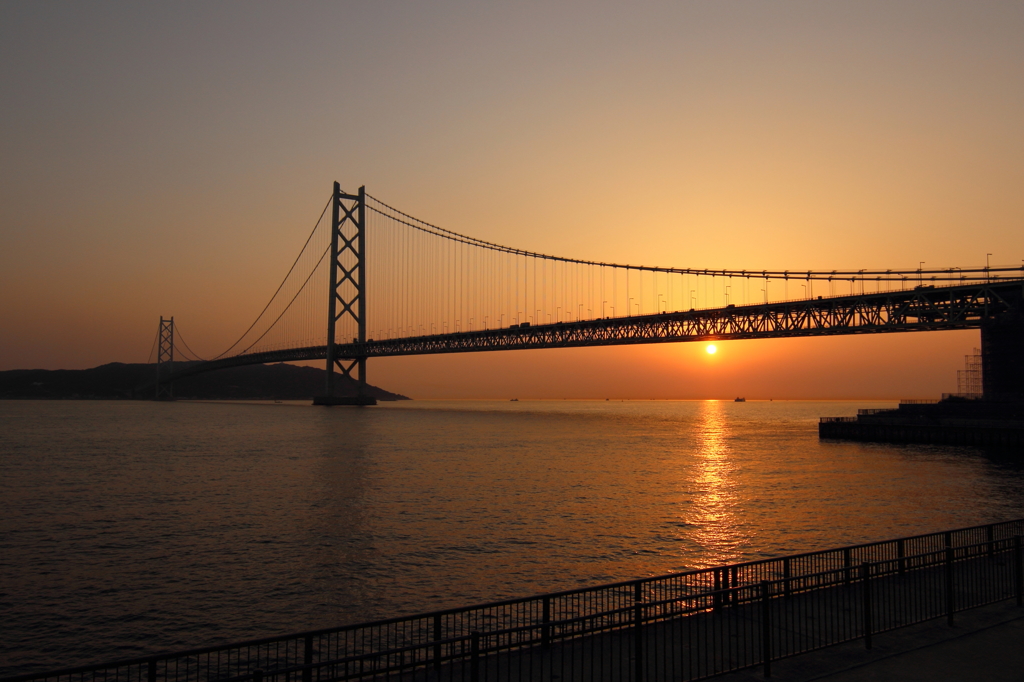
(711,349)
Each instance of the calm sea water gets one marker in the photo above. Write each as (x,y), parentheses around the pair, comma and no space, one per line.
(133,527)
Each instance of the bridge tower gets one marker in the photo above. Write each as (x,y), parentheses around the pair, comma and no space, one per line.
(165,357)
(347,295)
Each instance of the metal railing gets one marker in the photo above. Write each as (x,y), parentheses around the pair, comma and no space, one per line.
(687,626)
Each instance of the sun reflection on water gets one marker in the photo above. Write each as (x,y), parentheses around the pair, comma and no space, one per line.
(711,516)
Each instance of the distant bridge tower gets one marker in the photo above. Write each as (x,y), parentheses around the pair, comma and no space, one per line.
(347,294)
(165,359)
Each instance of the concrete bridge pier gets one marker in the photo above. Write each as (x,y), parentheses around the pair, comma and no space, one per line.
(1002,358)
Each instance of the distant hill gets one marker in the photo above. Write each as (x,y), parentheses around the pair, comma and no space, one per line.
(121,381)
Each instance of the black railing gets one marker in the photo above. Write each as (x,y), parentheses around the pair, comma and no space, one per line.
(686,626)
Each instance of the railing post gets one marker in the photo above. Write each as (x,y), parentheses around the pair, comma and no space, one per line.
(151,672)
(638,633)
(766,628)
(785,576)
(474,657)
(847,562)
(990,537)
(901,554)
(1018,570)
(437,641)
(950,606)
(545,628)
(866,577)
(307,659)
(717,598)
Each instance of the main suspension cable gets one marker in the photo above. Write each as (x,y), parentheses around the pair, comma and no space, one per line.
(895,275)
(278,318)
(280,286)
(178,336)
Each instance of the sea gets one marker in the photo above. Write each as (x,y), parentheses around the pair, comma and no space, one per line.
(129,528)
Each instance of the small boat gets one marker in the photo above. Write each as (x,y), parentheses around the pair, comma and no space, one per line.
(514,400)
(740,400)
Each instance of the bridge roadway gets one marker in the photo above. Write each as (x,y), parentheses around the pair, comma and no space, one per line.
(920,309)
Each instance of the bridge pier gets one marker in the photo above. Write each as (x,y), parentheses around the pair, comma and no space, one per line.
(997,420)
(1002,358)
(329,400)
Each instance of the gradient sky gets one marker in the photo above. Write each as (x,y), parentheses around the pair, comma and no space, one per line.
(169,159)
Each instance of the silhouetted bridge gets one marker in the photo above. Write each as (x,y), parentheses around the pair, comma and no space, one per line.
(436,291)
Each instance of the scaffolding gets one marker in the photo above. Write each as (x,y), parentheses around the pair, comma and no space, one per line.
(969,379)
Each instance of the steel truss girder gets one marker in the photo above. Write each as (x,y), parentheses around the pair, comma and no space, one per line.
(941,308)
(959,307)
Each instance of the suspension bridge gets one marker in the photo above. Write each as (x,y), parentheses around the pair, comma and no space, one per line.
(371,281)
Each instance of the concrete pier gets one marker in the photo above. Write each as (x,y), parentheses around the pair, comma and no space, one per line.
(994,420)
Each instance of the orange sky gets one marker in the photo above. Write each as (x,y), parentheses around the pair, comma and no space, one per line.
(169,160)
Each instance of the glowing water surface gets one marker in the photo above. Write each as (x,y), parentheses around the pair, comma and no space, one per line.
(133,527)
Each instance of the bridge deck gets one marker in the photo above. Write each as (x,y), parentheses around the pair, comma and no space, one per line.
(919,309)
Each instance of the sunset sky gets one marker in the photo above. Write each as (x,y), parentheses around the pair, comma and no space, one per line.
(170,158)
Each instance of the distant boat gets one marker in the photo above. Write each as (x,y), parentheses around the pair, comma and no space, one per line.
(740,400)
(514,400)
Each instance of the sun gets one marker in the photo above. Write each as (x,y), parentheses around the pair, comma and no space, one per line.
(711,349)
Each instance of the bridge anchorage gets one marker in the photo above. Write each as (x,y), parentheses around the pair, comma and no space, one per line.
(397,285)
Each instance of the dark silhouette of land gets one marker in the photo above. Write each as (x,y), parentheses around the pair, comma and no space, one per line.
(125,381)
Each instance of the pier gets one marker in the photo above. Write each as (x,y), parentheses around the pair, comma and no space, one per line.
(993,417)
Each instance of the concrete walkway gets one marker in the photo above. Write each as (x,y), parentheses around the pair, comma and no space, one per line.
(984,644)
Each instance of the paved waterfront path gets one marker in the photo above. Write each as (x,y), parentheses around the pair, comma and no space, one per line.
(984,644)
